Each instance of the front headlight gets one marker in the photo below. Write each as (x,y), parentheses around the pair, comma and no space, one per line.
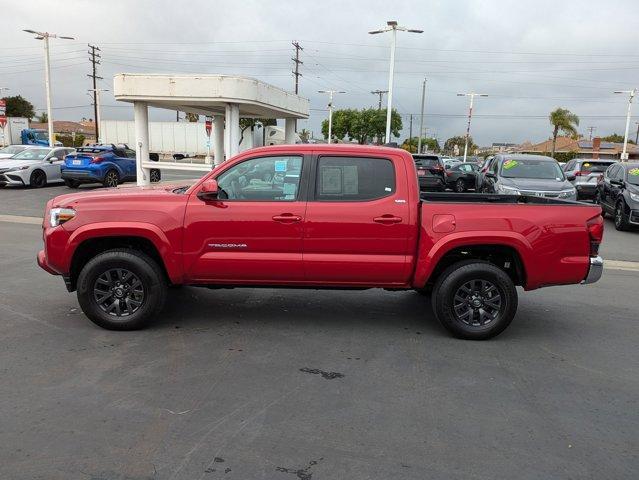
(508,190)
(634,196)
(567,193)
(58,216)
(15,169)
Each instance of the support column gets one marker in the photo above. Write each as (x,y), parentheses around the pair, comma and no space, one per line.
(218,140)
(289,131)
(233,127)
(228,120)
(141,120)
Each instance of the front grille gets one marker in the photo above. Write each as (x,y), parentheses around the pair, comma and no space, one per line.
(540,194)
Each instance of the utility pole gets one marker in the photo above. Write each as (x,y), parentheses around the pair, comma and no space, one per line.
(297,62)
(95,60)
(421,119)
(96,96)
(330,110)
(381,94)
(393,27)
(631,94)
(47,74)
(590,131)
(472,96)
(410,131)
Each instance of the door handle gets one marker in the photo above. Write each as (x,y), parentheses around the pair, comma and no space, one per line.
(287,218)
(387,219)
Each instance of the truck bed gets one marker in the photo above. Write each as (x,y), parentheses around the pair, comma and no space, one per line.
(453,197)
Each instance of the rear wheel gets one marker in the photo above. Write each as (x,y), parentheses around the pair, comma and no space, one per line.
(38,179)
(111,179)
(460,185)
(71,183)
(621,217)
(474,300)
(121,289)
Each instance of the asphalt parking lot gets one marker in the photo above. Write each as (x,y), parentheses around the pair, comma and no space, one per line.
(286,384)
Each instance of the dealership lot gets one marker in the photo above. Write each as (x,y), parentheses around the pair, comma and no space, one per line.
(262,383)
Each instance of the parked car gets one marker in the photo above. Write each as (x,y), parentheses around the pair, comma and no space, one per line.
(319,216)
(462,177)
(34,166)
(11,150)
(430,172)
(450,163)
(109,165)
(618,194)
(587,173)
(520,174)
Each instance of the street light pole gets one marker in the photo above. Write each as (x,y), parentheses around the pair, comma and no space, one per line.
(421,120)
(393,28)
(472,96)
(631,94)
(47,74)
(330,110)
(98,117)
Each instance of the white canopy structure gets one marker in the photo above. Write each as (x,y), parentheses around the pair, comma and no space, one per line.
(226,98)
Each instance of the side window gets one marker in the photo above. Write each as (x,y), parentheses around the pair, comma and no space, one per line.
(609,171)
(620,173)
(59,154)
(354,179)
(495,166)
(269,179)
(569,166)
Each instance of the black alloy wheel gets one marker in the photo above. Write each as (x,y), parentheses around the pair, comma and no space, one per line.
(118,292)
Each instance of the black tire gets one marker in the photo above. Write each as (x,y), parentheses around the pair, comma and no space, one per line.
(137,304)
(71,183)
(38,179)
(491,299)
(621,217)
(111,179)
(460,185)
(155,175)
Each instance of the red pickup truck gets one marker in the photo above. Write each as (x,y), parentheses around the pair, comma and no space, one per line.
(336,216)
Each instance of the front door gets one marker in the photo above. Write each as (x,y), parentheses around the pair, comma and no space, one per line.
(252,234)
(358,229)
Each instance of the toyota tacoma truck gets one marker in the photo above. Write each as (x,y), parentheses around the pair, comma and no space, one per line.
(317,216)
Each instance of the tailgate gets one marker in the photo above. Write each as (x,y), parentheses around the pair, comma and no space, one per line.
(78,159)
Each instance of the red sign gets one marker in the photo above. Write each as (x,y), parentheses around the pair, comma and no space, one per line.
(3,111)
(208,125)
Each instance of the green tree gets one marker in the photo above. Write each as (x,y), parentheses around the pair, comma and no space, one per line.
(459,140)
(562,120)
(305,135)
(43,117)
(615,138)
(428,144)
(18,106)
(192,117)
(362,125)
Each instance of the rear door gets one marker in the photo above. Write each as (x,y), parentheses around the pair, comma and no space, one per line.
(607,186)
(357,225)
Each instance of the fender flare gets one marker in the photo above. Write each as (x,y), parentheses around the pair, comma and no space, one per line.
(429,259)
(148,231)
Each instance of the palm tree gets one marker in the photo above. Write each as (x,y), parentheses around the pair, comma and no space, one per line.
(562,120)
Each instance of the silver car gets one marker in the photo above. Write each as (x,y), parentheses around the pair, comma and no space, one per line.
(587,173)
(34,166)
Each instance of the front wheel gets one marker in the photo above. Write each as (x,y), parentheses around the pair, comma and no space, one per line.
(621,217)
(38,179)
(474,300)
(155,175)
(121,289)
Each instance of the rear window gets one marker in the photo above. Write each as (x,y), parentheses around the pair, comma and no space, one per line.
(354,178)
(426,161)
(93,152)
(594,166)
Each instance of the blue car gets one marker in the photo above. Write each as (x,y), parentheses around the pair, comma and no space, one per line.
(109,165)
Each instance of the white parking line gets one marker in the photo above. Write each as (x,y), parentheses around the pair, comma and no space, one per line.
(608,264)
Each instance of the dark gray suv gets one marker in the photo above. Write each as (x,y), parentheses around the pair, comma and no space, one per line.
(521,174)
(587,173)
(618,194)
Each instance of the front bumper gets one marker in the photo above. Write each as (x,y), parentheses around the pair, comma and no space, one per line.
(595,270)
(42,263)
(81,175)
(12,178)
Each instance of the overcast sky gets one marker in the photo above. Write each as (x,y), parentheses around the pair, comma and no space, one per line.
(529,56)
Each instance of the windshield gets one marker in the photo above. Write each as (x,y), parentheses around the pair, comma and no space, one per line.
(633,176)
(527,168)
(12,149)
(426,161)
(32,154)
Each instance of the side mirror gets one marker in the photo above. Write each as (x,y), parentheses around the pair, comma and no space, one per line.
(571,178)
(208,191)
